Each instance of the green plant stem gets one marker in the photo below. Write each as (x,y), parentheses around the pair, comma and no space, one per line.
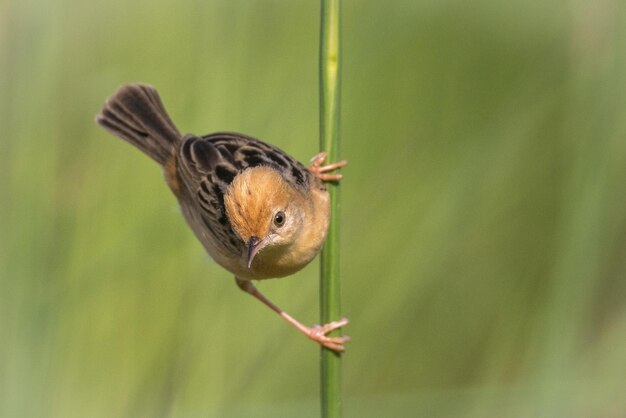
(330,83)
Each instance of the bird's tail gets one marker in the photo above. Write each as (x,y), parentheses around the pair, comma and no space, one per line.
(136,114)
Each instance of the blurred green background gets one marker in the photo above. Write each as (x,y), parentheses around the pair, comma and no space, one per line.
(484,210)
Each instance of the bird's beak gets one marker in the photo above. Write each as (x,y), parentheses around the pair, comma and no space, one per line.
(254,246)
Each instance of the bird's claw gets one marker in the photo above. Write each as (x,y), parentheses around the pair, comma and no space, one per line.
(320,171)
(318,333)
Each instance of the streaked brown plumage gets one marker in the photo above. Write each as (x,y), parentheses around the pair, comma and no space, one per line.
(258,212)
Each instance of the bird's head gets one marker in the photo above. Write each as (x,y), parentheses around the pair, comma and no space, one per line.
(264,210)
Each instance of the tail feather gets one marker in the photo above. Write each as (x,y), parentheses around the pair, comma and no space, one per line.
(136,114)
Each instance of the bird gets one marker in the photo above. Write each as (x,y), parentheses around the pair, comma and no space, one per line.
(258,212)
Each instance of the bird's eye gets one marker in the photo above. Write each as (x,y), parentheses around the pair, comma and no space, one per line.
(279,218)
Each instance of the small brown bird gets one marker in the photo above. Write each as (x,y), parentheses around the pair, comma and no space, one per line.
(258,212)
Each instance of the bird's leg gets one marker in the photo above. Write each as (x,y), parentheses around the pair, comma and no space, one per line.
(316,332)
(320,170)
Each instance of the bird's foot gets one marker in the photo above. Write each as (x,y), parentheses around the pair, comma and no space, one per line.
(320,171)
(318,333)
